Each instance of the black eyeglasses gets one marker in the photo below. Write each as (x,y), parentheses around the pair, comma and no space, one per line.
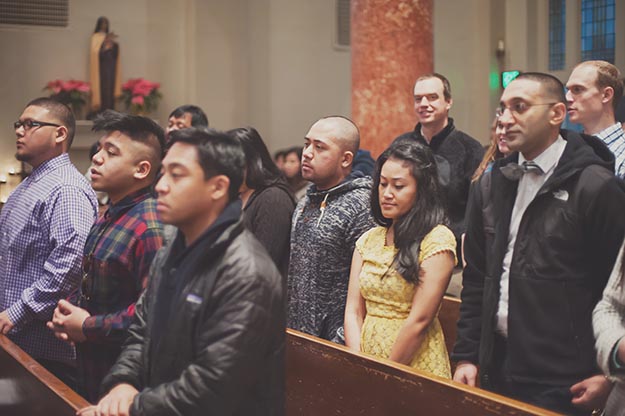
(29,124)
(517,108)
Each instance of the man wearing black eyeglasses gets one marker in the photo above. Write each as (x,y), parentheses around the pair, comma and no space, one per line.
(43,228)
(538,261)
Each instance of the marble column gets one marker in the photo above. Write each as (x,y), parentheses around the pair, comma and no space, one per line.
(391,45)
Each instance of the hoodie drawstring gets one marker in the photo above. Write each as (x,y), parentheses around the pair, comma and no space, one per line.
(322,208)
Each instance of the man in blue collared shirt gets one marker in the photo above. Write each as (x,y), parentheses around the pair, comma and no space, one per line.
(43,228)
(594,90)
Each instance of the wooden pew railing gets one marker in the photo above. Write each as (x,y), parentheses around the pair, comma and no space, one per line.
(324,378)
(26,388)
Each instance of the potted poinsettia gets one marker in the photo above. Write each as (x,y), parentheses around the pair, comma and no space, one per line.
(140,95)
(73,93)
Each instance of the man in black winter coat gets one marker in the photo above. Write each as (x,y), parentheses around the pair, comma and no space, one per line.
(209,332)
(542,238)
(457,154)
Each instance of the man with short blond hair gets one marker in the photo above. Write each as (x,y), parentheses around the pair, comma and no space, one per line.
(594,91)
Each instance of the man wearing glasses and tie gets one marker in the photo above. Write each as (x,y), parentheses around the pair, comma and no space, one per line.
(43,228)
(537,265)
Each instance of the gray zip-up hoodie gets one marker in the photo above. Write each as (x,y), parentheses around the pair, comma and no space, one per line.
(326,225)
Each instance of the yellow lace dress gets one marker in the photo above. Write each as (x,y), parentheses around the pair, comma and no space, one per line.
(389,299)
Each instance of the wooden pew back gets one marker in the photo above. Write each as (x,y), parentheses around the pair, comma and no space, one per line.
(26,388)
(328,379)
(448,317)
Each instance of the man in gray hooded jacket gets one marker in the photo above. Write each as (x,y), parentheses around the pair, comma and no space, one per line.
(326,225)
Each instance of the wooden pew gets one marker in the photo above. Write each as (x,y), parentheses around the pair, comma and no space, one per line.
(329,379)
(448,317)
(324,378)
(26,388)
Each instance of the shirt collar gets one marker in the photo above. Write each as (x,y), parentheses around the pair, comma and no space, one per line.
(49,166)
(549,158)
(608,131)
(230,215)
(127,202)
(438,137)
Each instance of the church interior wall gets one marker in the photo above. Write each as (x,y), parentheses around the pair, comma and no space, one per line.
(272,64)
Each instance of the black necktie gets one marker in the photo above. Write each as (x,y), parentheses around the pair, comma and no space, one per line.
(514,171)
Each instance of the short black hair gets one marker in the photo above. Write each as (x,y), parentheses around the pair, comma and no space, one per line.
(217,154)
(61,112)
(552,87)
(138,128)
(95,148)
(298,150)
(198,117)
(261,171)
(279,153)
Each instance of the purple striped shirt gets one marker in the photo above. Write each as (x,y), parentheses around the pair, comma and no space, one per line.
(43,228)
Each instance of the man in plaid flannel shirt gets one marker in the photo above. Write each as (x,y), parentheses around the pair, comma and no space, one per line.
(120,246)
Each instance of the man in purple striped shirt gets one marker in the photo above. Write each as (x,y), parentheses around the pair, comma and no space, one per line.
(43,228)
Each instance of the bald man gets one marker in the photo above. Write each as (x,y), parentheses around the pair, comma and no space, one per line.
(326,224)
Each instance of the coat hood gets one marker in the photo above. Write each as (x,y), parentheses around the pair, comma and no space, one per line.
(580,152)
(354,180)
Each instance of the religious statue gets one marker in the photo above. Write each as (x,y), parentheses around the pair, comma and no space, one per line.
(105,68)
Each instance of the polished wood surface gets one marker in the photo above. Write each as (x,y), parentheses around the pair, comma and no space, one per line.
(329,379)
(448,317)
(26,388)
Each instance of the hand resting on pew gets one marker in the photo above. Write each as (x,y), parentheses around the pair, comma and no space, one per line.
(116,402)
(466,373)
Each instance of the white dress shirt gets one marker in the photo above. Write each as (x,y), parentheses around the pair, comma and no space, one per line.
(529,184)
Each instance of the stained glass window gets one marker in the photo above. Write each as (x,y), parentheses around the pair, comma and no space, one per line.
(598,32)
(557,34)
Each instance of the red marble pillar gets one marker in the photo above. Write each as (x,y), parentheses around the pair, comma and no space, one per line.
(391,45)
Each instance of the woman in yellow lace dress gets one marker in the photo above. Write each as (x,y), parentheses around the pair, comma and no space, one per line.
(400,270)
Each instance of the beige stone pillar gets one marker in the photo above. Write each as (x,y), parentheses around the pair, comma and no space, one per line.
(391,45)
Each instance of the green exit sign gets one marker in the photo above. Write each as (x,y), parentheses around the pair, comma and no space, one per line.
(508,76)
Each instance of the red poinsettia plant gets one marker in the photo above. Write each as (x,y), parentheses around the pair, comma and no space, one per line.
(140,95)
(73,93)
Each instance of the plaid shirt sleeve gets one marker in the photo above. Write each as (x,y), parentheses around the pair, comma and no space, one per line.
(112,328)
(70,215)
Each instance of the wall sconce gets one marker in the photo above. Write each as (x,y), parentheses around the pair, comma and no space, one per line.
(9,180)
(501,49)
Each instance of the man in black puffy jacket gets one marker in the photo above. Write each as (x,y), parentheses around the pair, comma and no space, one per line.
(208,336)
